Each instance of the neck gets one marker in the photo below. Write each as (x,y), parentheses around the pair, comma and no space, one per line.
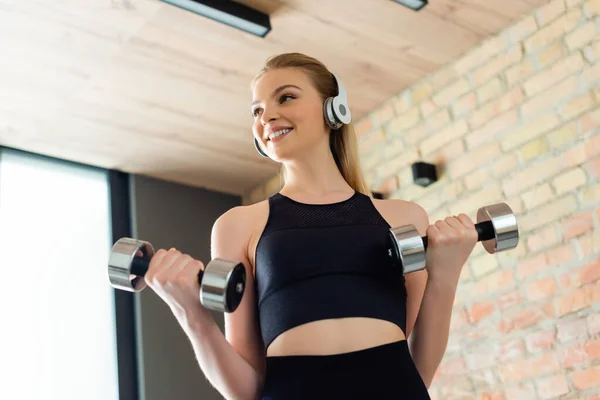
(315,174)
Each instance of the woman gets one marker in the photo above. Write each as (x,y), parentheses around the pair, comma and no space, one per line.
(325,313)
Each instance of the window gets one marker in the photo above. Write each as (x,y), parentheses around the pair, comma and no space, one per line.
(58,332)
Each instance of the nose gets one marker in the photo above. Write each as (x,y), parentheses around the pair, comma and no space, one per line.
(268,115)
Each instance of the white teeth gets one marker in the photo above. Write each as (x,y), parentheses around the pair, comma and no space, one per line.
(278,133)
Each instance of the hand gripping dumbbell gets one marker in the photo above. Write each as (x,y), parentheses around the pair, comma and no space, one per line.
(496,228)
(222,282)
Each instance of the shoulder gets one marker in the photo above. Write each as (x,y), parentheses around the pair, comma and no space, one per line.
(402,212)
(240,218)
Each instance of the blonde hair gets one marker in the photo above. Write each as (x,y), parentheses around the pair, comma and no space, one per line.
(342,142)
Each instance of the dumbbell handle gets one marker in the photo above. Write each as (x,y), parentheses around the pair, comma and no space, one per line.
(485,231)
(139,267)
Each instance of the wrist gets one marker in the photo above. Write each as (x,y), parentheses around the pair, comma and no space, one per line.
(195,320)
(442,282)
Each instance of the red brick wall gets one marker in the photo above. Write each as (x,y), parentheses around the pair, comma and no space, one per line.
(515,120)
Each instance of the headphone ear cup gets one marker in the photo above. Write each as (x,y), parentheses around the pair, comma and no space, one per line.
(329,113)
(259,149)
(341,110)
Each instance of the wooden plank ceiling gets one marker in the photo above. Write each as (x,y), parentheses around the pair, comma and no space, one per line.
(148,88)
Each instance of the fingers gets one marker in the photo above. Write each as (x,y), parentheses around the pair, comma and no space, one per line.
(451,228)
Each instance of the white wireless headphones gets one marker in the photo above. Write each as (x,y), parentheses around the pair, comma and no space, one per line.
(335,110)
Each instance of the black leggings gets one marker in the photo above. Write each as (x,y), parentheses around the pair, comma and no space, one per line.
(382,372)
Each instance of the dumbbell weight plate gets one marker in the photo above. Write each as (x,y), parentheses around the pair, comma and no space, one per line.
(121,258)
(407,248)
(506,231)
(223,285)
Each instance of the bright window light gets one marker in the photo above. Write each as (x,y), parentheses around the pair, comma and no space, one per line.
(58,337)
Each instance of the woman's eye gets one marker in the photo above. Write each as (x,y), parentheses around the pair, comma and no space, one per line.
(285,96)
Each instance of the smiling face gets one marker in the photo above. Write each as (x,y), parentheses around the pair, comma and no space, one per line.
(288,113)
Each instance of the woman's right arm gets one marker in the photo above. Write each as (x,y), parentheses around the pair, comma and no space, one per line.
(234,363)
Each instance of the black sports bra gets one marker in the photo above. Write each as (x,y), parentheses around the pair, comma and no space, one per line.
(321,261)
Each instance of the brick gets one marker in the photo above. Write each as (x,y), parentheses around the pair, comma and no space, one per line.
(483,265)
(473,160)
(537,196)
(593,322)
(490,90)
(582,36)
(363,127)
(388,185)
(400,104)
(510,349)
(451,93)
(589,195)
(522,29)
(554,74)
(438,120)
(552,387)
(573,3)
(590,273)
(532,175)
(533,149)
(446,154)
(579,299)
(543,239)
(577,105)
(587,378)
(496,65)
(372,141)
(519,72)
(532,266)
(592,52)
(529,368)
(569,181)
(553,31)
(506,163)
(480,310)
(370,161)
(565,135)
(477,178)
(489,194)
(496,107)
(548,213)
(572,356)
(494,127)
(593,168)
(577,225)
(525,390)
(526,317)
(443,137)
(395,165)
(529,131)
(421,91)
(464,105)
(541,289)
(495,282)
(574,156)
(444,77)
(508,300)
(549,12)
(590,121)
(480,54)
(591,76)
(427,107)
(592,7)
(592,146)
(401,123)
(541,340)
(391,148)
(552,54)
(549,98)
(383,115)
(589,244)
(414,135)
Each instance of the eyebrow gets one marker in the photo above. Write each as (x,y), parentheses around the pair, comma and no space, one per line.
(279,89)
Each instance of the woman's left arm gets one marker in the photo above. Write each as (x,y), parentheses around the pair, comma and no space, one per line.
(450,242)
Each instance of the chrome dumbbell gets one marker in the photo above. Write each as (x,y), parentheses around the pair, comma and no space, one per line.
(496,226)
(222,282)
